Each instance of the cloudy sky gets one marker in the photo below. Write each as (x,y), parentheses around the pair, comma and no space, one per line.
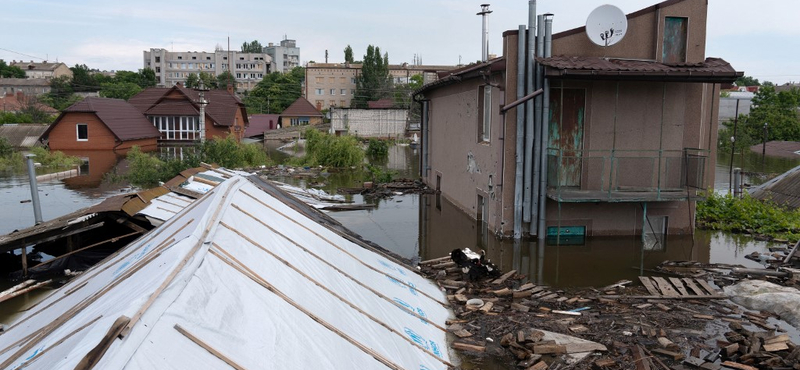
(761,38)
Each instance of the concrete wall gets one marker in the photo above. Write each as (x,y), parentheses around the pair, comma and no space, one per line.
(383,123)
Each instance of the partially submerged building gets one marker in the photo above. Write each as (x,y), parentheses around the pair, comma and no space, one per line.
(300,113)
(620,140)
(242,277)
(101,124)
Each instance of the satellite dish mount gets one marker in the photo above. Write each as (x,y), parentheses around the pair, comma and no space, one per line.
(606,25)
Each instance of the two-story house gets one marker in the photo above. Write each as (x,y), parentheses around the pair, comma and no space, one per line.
(623,139)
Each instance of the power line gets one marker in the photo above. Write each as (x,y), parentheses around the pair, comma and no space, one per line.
(27,55)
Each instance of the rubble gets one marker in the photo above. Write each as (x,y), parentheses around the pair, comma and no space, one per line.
(682,321)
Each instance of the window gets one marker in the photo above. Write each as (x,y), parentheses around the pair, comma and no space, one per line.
(177,128)
(158,69)
(224,58)
(83,131)
(342,80)
(343,92)
(484,113)
(180,57)
(353,92)
(353,80)
(674,46)
(333,91)
(332,79)
(319,80)
(194,57)
(320,92)
(158,59)
(341,103)
(332,103)
(208,58)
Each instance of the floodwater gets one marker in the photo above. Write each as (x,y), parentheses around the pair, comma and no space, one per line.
(426,226)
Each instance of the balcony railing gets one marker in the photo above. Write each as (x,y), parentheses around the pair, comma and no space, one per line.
(625,175)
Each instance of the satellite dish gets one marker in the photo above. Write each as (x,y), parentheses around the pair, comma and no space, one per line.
(606,25)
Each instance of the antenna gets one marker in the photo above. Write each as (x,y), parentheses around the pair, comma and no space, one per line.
(606,25)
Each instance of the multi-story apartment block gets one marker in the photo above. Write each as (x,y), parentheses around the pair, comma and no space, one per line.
(284,56)
(46,70)
(172,67)
(334,84)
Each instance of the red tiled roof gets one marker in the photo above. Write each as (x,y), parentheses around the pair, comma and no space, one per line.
(260,123)
(712,70)
(221,107)
(380,104)
(12,103)
(301,108)
(122,118)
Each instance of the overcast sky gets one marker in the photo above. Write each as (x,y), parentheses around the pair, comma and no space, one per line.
(757,37)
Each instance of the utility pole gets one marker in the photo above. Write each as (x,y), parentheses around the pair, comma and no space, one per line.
(201,89)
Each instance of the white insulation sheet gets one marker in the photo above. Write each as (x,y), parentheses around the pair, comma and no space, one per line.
(252,279)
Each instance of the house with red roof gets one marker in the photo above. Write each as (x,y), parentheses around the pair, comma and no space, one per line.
(14,103)
(260,123)
(620,141)
(101,124)
(175,112)
(301,112)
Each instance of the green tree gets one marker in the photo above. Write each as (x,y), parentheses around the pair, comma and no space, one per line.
(225,79)
(7,71)
(747,81)
(83,79)
(777,109)
(192,81)
(275,92)
(373,83)
(348,54)
(252,47)
(61,94)
(119,90)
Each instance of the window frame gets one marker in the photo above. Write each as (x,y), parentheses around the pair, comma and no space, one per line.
(484,114)
(78,131)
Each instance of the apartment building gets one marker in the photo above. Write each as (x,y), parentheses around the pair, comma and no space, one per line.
(334,84)
(285,56)
(45,70)
(172,67)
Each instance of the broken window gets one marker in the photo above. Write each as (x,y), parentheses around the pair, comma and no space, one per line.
(484,113)
(674,45)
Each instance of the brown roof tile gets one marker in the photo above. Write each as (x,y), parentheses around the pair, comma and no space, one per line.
(301,108)
(221,107)
(712,70)
(122,118)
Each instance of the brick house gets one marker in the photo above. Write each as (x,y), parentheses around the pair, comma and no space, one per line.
(175,111)
(301,112)
(101,124)
(627,138)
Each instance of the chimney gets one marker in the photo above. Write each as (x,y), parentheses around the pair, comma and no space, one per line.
(230,88)
(484,13)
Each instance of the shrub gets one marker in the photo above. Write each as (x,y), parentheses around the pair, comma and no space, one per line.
(377,148)
(748,215)
(228,153)
(334,151)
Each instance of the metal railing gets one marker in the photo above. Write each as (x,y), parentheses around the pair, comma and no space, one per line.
(597,175)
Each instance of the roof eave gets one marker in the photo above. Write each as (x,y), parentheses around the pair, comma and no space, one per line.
(666,76)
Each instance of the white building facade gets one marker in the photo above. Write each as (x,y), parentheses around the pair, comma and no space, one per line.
(285,56)
(172,67)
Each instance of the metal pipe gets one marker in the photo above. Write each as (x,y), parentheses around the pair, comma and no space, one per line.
(425,134)
(518,173)
(548,40)
(733,147)
(537,123)
(484,13)
(529,194)
(37,206)
(737,182)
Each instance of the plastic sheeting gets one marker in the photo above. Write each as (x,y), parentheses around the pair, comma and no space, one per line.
(249,277)
(765,296)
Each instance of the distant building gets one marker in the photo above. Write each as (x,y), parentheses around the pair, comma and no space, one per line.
(172,67)
(284,56)
(334,84)
(175,112)
(45,70)
(301,112)
(101,124)
(13,103)
(28,86)
(259,123)
(379,122)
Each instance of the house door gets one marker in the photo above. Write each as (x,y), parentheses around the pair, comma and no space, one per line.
(567,108)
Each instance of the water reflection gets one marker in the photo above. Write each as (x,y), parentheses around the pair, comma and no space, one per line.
(757,169)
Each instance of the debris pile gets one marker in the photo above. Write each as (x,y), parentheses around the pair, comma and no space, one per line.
(676,323)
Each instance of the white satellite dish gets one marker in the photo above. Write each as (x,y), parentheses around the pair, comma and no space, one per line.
(606,25)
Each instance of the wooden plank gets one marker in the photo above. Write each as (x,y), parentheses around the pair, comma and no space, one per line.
(502,279)
(774,347)
(792,252)
(468,347)
(707,286)
(93,357)
(642,362)
(617,296)
(648,284)
(678,285)
(736,365)
(690,283)
(674,355)
(208,348)
(665,287)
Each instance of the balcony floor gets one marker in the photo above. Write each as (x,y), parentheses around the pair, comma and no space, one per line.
(568,195)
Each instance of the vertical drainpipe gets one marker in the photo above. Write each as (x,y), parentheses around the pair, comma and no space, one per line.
(545,122)
(37,206)
(537,126)
(529,133)
(518,153)
(425,135)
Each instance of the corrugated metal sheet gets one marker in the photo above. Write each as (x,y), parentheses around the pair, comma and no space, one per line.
(22,135)
(784,189)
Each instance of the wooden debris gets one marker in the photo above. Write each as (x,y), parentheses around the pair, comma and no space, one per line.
(674,355)
(605,363)
(704,317)
(578,329)
(502,279)
(566,312)
(543,349)
(774,347)
(736,365)
(487,307)
(520,307)
(468,347)
(541,365)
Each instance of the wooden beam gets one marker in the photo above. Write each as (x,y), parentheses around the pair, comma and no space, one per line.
(96,354)
(208,348)
(648,284)
(112,240)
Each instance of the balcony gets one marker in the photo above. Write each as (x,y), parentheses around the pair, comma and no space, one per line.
(577,176)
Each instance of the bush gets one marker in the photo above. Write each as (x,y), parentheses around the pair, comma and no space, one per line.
(378,175)
(54,158)
(144,170)
(323,149)
(377,148)
(228,153)
(748,215)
